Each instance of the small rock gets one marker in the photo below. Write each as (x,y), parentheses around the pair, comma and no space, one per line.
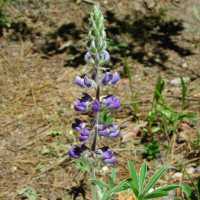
(150,4)
(171,196)
(104,170)
(177,81)
(177,175)
(14,169)
(190,170)
(197,170)
(184,65)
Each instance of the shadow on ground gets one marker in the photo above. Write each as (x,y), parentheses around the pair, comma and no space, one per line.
(147,39)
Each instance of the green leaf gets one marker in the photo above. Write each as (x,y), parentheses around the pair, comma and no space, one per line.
(123,185)
(196,12)
(187,190)
(156,194)
(104,117)
(169,187)
(142,176)
(112,177)
(101,184)
(160,84)
(154,179)
(134,178)
(161,191)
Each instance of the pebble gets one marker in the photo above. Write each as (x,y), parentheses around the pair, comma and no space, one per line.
(104,170)
(197,170)
(184,65)
(190,170)
(171,196)
(177,81)
(177,175)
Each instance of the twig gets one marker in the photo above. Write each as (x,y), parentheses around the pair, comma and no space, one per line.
(86,1)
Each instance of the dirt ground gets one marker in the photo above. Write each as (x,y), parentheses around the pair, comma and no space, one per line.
(41,53)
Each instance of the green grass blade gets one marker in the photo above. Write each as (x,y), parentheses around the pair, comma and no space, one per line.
(156,194)
(142,176)
(111,179)
(123,185)
(134,178)
(154,179)
(167,188)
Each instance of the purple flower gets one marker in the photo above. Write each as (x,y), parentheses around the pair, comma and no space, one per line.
(108,156)
(95,106)
(80,126)
(110,78)
(82,103)
(88,58)
(108,130)
(115,78)
(84,134)
(111,102)
(107,78)
(83,81)
(76,150)
(105,56)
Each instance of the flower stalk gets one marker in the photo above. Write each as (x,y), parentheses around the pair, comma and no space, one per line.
(96,56)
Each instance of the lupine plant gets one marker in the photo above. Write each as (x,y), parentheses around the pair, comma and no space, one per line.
(89,132)
(91,156)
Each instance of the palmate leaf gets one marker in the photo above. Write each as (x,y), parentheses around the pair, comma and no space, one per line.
(154,179)
(134,178)
(142,176)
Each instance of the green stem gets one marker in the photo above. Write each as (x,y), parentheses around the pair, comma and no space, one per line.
(93,147)
(93,186)
(94,142)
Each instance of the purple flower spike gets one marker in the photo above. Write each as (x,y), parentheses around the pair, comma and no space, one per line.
(95,106)
(115,78)
(81,105)
(105,56)
(111,102)
(108,156)
(76,150)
